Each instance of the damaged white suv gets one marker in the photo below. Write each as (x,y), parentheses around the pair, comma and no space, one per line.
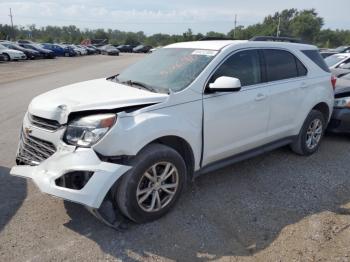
(136,138)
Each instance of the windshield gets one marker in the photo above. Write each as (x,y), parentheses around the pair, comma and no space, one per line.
(169,68)
(2,47)
(334,59)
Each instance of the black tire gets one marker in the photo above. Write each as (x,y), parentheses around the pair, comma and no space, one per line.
(6,58)
(299,146)
(125,192)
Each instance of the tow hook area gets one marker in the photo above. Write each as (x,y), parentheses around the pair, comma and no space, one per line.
(110,215)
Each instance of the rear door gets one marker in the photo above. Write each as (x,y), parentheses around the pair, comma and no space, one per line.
(235,122)
(287,80)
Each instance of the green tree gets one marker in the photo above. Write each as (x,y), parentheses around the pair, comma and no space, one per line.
(307,25)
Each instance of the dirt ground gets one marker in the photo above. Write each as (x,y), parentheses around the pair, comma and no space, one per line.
(275,207)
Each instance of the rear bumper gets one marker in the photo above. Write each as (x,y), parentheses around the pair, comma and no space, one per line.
(340,121)
(66,161)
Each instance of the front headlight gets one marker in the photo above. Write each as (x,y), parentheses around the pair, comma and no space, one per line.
(88,130)
(342,102)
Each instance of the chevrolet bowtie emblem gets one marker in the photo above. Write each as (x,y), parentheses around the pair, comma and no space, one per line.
(27,130)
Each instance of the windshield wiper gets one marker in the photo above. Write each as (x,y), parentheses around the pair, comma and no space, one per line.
(115,78)
(132,83)
(143,85)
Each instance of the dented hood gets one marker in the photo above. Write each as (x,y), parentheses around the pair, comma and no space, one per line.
(99,94)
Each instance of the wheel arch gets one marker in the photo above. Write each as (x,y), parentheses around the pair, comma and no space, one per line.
(9,56)
(182,147)
(324,109)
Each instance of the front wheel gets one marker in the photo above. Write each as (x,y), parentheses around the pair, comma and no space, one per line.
(154,184)
(311,133)
(6,57)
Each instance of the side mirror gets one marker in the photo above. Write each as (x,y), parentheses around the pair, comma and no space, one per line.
(344,66)
(225,84)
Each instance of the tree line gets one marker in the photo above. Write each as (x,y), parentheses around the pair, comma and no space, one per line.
(304,24)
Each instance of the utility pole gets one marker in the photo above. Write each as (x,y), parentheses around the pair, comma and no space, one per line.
(234,32)
(278,26)
(13,30)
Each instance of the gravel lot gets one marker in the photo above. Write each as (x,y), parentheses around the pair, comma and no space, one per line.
(275,207)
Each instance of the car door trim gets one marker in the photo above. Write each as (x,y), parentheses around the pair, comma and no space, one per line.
(243,156)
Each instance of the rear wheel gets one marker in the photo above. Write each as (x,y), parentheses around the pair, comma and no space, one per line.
(309,138)
(154,184)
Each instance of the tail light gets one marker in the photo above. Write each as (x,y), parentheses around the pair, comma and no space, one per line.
(333,81)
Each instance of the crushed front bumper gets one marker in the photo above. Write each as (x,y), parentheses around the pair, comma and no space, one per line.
(67,160)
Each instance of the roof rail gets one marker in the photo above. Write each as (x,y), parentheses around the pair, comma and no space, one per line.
(276,39)
(213,38)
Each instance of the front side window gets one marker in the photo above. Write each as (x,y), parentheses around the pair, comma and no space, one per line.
(280,65)
(244,65)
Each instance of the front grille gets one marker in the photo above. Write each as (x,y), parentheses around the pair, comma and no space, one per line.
(44,123)
(32,150)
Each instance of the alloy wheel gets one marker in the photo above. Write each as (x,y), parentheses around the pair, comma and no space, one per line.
(314,134)
(157,187)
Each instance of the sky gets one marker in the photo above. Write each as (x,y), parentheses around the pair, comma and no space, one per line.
(161,16)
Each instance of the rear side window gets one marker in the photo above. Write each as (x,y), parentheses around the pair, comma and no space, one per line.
(315,56)
(281,65)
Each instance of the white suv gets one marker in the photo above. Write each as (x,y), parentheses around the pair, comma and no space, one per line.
(136,138)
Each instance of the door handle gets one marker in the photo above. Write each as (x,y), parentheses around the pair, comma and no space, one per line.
(260,97)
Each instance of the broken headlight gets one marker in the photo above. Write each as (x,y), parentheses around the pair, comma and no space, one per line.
(87,131)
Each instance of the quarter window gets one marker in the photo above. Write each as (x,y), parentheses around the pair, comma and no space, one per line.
(244,65)
(302,71)
(281,65)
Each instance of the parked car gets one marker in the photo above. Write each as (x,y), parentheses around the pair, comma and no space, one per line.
(338,61)
(342,49)
(125,48)
(340,121)
(97,51)
(136,138)
(37,47)
(89,50)
(109,50)
(25,42)
(142,49)
(326,54)
(79,50)
(11,55)
(339,72)
(59,50)
(30,54)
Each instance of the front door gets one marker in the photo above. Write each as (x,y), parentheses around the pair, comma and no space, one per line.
(235,122)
